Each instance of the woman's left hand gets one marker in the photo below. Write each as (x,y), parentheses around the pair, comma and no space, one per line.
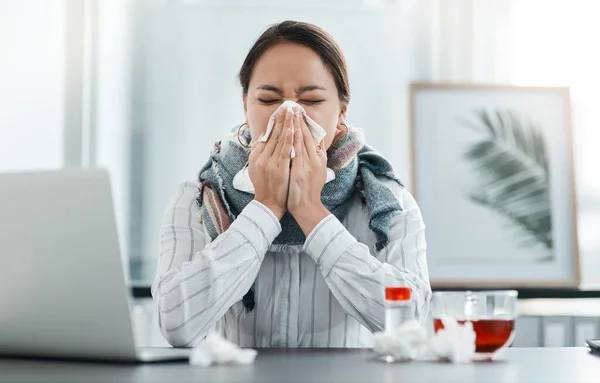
(307,177)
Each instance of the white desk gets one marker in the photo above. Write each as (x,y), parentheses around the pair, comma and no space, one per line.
(527,365)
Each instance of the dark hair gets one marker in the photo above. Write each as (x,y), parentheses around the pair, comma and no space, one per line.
(308,35)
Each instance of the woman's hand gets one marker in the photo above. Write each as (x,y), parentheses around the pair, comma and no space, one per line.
(269,165)
(307,178)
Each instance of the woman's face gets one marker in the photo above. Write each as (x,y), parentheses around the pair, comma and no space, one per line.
(289,71)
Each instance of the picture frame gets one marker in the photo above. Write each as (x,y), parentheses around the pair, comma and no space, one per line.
(492,171)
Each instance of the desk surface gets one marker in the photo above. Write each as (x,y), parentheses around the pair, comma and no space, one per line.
(529,365)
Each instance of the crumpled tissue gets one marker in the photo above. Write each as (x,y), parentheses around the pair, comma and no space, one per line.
(214,349)
(242,181)
(317,131)
(454,343)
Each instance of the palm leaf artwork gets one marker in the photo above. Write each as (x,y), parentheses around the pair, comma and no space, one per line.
(512,164)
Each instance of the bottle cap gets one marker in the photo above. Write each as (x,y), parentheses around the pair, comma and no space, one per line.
(397,293)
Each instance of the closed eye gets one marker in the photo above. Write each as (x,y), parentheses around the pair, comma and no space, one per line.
(268,101)
(311,102)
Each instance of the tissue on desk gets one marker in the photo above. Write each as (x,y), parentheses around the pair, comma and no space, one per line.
(216,350)
(455,342)
(317,131)
(408,342)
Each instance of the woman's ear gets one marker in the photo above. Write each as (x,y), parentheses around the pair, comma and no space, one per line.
(244,99)
(343,110)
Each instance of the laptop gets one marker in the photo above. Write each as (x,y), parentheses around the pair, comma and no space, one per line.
(63,289)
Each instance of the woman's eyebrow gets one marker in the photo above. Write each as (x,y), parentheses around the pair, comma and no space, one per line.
(309,88)
(271,88)
(301,90)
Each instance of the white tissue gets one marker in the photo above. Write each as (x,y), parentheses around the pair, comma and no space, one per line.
(242,182)
(408,342)
(317,131)
(455,342)
(216,350)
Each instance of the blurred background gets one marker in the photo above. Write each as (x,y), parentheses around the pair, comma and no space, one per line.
(145,87)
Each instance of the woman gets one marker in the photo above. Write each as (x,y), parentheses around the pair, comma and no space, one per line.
(302,259)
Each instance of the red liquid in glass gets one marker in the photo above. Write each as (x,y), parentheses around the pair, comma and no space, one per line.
(490,334)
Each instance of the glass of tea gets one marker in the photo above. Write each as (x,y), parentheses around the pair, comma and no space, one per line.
(492,314)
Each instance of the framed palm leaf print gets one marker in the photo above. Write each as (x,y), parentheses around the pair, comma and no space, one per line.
(493,174)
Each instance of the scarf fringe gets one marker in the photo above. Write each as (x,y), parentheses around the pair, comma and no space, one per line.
(215,168)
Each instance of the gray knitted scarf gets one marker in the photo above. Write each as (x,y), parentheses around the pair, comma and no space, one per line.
(357,167)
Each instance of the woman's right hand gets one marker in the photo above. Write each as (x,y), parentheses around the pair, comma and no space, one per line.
(269,164)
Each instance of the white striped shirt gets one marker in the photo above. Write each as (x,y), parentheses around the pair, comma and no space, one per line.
(327,293)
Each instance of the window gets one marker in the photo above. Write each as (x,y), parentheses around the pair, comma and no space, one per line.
(567,56)
(32,77)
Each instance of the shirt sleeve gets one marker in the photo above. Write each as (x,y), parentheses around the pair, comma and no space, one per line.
(358,279)
(197,281)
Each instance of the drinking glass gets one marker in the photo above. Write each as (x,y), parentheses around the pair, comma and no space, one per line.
(492,314)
